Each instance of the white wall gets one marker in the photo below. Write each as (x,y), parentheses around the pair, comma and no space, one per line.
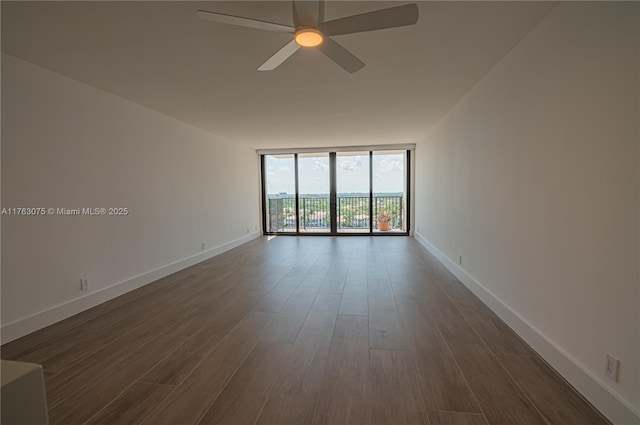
(533,179)
(66,144)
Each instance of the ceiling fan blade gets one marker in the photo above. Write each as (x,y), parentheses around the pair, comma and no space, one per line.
(280,56)
(392,17)
(321,11)
(243,22)
(306,13)
(340,55)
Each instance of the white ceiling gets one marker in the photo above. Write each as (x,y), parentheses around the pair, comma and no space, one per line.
(159,55)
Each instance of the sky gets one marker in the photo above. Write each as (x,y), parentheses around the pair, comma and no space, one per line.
(352,173)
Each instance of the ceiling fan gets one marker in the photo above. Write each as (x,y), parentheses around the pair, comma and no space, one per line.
(311,30)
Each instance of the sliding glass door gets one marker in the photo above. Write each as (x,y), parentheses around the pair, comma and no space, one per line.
(389,190)
(355,192)
(313,188)
(280,188)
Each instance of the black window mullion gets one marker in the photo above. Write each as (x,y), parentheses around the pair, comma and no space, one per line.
(264,194)
(407,213)
(332,193)
(295,162)
(370,191)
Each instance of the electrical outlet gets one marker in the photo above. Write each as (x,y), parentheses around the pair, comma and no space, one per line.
(418,228)
(84,284)
(460,260)
(204,245)
(611,367)
(247,230)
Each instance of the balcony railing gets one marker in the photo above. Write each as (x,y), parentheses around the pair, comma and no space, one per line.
(352,212)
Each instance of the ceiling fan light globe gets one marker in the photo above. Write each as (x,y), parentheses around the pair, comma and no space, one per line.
(309,37)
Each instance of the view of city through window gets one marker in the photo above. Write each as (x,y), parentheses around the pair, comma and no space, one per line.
(354,214)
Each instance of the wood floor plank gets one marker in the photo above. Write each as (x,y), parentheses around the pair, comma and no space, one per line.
(410,281)
(334,281)
(437,269)
(555,399)
(132,406)
(443,385)
(48,376)
(355,300)
(293,399)
(279,295)
(300,270)
(284,327)
(495,333)
(100,363)
(261,278)
(20,351)
(396,398)
(100,338)
(344,397)
(357,273)
(89,400)
(385,329)
(456,418)
(377,269)
(318,271)
(310,285)
(190,400)
(173,369)
(243,397)
(499,397)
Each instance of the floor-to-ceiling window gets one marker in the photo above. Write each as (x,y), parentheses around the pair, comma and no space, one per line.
(353,192)
(336,192)
(389,175)
(280,187)
(314,187)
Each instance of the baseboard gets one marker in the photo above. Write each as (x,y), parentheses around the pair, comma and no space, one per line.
(612,405)
(33,322)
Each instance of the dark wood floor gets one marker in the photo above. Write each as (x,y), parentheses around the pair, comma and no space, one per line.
(299,330)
